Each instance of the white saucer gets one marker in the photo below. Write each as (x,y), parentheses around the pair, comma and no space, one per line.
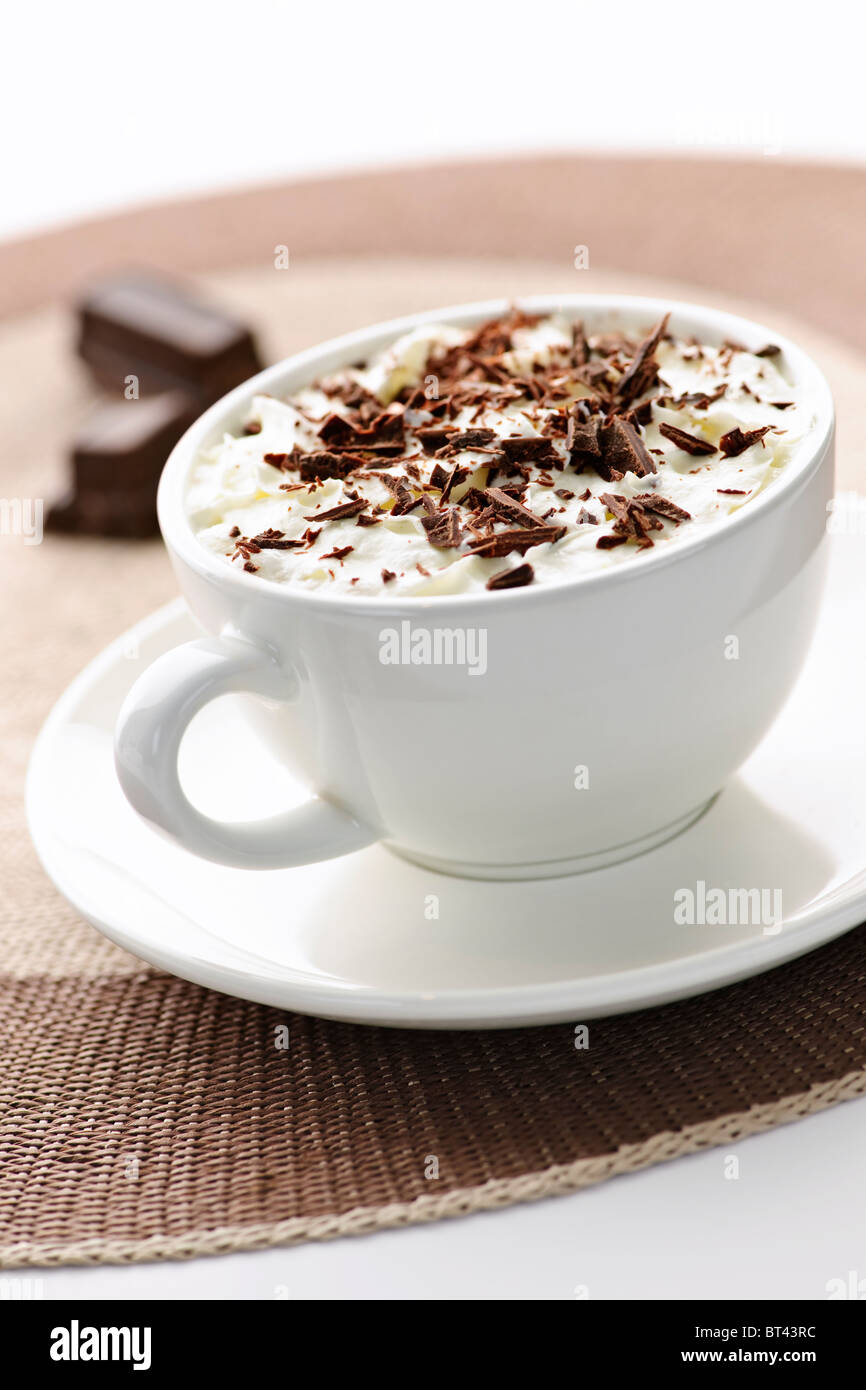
(357,938)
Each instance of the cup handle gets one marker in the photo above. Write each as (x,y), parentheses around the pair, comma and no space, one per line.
(152,722)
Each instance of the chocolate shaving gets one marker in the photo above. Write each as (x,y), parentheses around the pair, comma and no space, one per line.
(579,345)
(433,437)
(338,512)
(399,489)
(556,426)
(405,503)
(585,518)
(624,450)
(582,437)
(517,578)
(387,576)
(439,476)
(689,443)
(699,400)
(513,511)
(662,506)
(520,539)
(319,463)
(642,371)
(336,429)
(385,431)
(474,499)
(338,553)
(443,529)
(631,520)
(275,540)
(616,505)
(641,414)
(607,542)
(466,439)
(534,447)
(457,475)
(737,441)
(323,464)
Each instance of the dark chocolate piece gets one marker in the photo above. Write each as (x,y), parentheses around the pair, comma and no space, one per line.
(320,463)
(662,506)
(624,451)
(165,336)
(616,505)
(443,529)
(276,540)
(608,542)
(467,439)
(642,371)
(117,459)
(337,513)
(474,499)
(455,477)
(513,511)
(700,400)
(737,441)
(580,347)
(125,515)
(517,578)
(383,434)
(582,437)
(520,539)
(433,437)
(690,443)
(533,448)
(439,476)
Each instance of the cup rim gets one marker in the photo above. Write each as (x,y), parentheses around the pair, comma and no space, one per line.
(302,367)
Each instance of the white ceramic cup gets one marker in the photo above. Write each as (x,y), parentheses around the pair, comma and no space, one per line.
(611,708)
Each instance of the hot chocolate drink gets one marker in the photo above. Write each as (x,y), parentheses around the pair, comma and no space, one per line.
(523,452)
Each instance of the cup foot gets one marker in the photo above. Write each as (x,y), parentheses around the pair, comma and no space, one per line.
(557,868)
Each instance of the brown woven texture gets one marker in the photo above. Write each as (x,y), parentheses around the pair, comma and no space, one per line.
(143,1117)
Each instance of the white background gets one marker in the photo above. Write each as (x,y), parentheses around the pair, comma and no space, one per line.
(105,105)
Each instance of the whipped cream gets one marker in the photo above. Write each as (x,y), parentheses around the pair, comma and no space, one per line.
(522,452)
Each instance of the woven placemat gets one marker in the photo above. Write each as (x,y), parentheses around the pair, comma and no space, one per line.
(142,1117)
